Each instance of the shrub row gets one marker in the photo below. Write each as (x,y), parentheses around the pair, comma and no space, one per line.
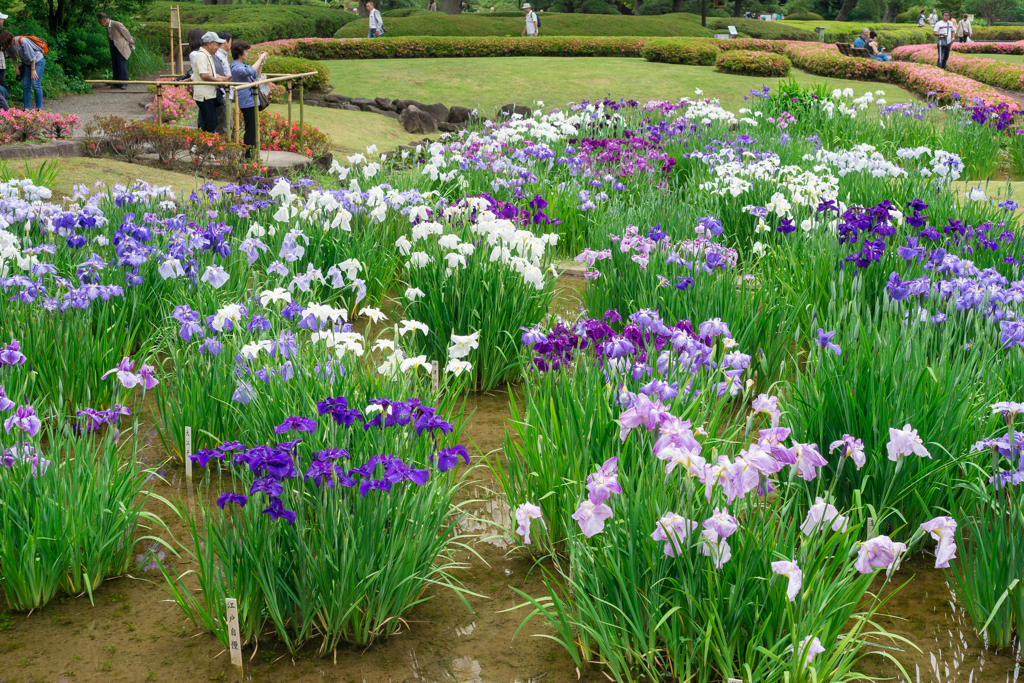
(252,23)
(749,63)
(409,48)
(989,71)
(33,125)
(804,16)
(280,64)
(989,48)
(681,51)
(825,60)
(438,24)
(768,30)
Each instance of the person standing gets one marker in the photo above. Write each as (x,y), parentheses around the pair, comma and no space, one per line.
(3,66)
(205,77)
(243,73)
(222,65)
(921,19)
(376,21)
(32,65)
(195,43)
(121,45)
(944,31)
(933,18)
(532,28)
(432,6)
(963,29)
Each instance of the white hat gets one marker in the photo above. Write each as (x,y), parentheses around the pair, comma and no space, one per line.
(526,5)
(211,37)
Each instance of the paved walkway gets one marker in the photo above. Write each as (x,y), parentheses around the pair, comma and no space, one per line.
(103,101)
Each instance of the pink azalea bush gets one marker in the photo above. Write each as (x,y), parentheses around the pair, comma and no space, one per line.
(990,71)
(990,48)
(426,47)
(18,125)
(176,103)
(751,63)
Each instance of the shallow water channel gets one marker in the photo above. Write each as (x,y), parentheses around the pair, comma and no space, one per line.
(133,633)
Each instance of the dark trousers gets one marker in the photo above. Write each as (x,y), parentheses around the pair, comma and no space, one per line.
(118,63)
(943,55)
(249,124)
(208,115)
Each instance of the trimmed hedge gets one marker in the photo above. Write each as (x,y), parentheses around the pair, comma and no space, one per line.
(747,63)
(439,24)
(1003,33)
(277,64)
(411,48)
(681,51)
(887,38)
(989,48)
(251,23)
(768,30)
(805,16)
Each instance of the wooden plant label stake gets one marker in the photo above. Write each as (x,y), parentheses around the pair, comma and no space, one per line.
(435,376)
(234,642)
(735,680)
(871,524)
(188,454)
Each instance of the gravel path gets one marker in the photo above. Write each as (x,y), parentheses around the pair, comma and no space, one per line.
(103,101)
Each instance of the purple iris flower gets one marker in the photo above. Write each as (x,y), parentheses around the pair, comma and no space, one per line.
(825,341)
(232,497)
(299,424)
(447,458)
(604,483)
(24,419)
(268,485)
(277,511)
(231,446)
(683,283)
(429,422)
(203,456)
(367,485)
(5,403)
(898,289)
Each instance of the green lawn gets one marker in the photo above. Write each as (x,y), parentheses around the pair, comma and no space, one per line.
(352,131)
(1013,59)
(487,83)
(85,171)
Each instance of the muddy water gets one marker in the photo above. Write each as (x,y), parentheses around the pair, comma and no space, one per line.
(133,633)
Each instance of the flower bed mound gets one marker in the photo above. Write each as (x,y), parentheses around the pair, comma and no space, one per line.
(748,63)
(676,51)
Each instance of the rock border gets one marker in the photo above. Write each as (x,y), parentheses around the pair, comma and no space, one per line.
(414,116)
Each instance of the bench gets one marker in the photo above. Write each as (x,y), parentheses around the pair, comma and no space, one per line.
(850,51)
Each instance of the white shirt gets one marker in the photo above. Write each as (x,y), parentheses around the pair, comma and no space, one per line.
(946,30)
(531,23)
(376,21)
(933,18)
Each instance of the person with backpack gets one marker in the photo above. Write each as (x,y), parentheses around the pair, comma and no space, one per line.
(121,45)
(532,28)
(31,51)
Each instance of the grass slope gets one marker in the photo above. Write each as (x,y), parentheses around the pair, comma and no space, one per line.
(84,171)
(440,24)
(487,83)
(352,131)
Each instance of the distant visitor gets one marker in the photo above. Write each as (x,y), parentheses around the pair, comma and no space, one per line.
(376,22)
(532,27)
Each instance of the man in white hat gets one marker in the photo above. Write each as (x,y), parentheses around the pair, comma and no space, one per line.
(204,74)
(532,28)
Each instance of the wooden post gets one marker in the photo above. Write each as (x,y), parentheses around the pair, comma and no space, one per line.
(302,133)
(159,103)
(238,113)
(289,107)
(259,154)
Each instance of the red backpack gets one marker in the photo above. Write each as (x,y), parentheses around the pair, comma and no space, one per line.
(39,43)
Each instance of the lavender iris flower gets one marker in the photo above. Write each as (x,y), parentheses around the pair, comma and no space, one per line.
(24,419)
(809,648)
(673,529)
(5,403)
(203,456)
(722,523)
(943,530)
(822,515)
(904,442)
(525,513)
(793,573)
(880,552)
(604,483)
(854,448)
(591,517)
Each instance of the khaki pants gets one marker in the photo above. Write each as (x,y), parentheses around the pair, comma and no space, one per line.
(224,118)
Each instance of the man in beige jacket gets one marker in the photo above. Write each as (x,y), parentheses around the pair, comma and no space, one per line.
(121,45)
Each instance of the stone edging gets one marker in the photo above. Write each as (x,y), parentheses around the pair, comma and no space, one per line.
(57,148)
(414,116)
